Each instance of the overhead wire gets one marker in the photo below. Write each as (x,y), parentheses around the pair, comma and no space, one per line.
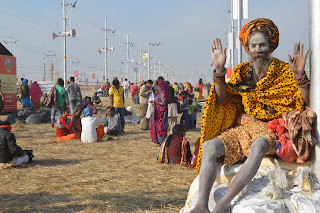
(26,20)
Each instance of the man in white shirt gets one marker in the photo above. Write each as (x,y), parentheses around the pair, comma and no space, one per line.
(126,86)
(90,133)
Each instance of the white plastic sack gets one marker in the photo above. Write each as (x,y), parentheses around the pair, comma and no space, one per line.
(260,205)
(150,110)
(131,119)
(305,205)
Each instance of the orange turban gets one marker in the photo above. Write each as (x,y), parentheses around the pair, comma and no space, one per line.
(262,25)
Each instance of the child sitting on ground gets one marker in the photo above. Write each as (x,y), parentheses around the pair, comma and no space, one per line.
(65,130)
(113,122)
(10,153)
(176,147)
(90,105)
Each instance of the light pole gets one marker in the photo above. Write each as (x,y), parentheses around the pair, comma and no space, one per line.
(106,49)
(10,43)
(152,44)
(64,34)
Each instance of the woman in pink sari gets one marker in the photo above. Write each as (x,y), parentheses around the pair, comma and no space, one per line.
(35,94)
(158,124)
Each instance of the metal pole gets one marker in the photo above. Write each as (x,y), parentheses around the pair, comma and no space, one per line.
(314,29)
(140,64)
(106,50)
(232,33)
(154,68)
(64,43)
(127,56)
(44,66)
(76,62)
(136,77)
(239,29)
(148,60)
(51,63)
(57,69)
(159,71)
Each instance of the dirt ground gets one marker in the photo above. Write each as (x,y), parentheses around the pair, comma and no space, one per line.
(122,175)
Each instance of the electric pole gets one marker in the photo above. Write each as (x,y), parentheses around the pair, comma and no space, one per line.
(140,63)
(152,44)
(154,68)
(50,56)
(127,61)
(64,34)
(44,66)
(64,44)
(106,49)
(10,43)
(127,68)
(75,63)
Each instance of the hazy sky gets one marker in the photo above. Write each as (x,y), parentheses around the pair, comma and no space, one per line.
(186,27)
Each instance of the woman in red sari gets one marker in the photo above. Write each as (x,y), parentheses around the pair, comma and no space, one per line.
(158,124)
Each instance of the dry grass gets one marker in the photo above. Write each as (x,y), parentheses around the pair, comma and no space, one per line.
(110,176)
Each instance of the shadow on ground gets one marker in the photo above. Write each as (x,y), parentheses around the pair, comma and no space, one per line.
(45,202)
(51,162)
(144,201)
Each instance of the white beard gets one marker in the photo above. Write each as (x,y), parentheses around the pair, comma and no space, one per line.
(261,62)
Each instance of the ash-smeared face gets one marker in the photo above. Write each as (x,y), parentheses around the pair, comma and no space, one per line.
(259,46)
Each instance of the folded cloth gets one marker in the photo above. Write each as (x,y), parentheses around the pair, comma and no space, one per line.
(299,125)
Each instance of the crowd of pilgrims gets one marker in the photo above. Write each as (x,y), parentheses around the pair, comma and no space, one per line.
(160,104)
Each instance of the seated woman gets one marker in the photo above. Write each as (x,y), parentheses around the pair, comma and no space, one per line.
(90,133)
(65,130)
(113,122)
(176,147)
(10,153)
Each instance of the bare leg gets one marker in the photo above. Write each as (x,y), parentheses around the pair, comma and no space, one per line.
(211,150)
(247,171)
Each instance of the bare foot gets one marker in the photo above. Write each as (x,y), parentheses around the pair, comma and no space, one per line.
(199,209)
(220,208)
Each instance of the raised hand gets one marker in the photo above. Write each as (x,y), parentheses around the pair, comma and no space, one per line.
(218,55)
(298,61)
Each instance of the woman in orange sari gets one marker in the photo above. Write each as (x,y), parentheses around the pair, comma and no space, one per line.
(200,85)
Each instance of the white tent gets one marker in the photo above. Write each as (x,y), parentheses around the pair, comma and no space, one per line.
(46,86)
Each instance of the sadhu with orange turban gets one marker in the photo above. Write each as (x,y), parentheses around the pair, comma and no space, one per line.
(236,114)
(261,25)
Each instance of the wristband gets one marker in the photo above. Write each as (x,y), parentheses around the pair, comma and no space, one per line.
(219,75)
